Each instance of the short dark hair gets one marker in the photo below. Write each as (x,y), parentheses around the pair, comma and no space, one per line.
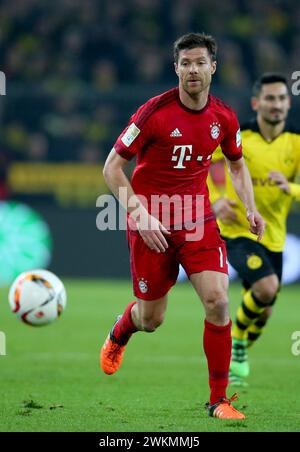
(193,40)
(267,79)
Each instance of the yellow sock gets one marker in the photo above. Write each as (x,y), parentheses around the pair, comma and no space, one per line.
(255,331)
(249,311)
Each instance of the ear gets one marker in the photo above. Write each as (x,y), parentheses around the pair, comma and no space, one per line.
(213,67)
(254,103)
(176,68)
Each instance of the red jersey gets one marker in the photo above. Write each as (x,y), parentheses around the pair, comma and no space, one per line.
(174,146)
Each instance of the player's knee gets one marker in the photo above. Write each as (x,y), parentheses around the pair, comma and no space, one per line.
(266,289)
(217,300)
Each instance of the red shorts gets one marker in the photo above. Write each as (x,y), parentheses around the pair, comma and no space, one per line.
(153,274)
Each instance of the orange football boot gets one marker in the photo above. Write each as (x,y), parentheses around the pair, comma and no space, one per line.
(224,410)
(111,355)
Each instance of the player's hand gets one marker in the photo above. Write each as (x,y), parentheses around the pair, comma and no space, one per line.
(257,224)
(224,210)
(153,233)
(281,181)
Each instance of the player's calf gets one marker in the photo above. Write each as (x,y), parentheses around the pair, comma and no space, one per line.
(150,325)
(149,315)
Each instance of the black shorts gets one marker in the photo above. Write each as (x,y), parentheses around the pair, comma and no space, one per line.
(252,260)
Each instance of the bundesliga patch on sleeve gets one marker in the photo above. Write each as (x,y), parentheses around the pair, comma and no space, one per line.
(238,138)
(130,135)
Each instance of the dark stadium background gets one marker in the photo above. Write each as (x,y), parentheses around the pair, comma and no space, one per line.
(75,72)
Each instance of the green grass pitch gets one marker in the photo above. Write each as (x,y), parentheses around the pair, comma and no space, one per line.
(51,381)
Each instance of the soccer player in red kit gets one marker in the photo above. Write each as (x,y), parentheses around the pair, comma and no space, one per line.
(173,136)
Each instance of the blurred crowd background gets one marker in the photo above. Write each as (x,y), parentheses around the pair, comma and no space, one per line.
(76,69)
(75,72)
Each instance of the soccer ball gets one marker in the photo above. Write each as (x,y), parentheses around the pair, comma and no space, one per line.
(37,297)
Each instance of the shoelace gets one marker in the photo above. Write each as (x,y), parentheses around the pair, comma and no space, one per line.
(113,353)
(228,402)
(234,397)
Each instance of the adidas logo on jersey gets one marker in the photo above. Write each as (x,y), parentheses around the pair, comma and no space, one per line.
(176,133)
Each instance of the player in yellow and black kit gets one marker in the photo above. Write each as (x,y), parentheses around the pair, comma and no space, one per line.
(271,149)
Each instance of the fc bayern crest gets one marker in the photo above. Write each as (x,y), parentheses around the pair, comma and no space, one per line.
(215,130)
(143,285)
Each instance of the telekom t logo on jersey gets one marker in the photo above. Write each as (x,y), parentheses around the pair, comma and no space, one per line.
(183,154)
(183,150)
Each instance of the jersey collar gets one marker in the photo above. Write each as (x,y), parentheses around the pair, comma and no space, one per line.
(190,110)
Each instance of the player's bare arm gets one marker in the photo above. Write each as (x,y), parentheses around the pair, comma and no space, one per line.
(281,181)
(242,183)
(150,229)
(224,210)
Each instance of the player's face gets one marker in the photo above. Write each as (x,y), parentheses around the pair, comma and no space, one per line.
(273,103)
(195,69)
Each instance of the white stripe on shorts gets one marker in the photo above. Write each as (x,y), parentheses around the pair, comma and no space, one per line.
(221,258)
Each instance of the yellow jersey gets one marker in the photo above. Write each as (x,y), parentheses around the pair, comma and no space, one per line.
(282,155)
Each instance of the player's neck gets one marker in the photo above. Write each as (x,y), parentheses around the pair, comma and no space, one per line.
(270,131)
(196,102)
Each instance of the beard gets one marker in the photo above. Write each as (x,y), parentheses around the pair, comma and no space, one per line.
(274,121)
(195,91)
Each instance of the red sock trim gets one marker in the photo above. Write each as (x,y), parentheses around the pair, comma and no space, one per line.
(217,328)
(125,327)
